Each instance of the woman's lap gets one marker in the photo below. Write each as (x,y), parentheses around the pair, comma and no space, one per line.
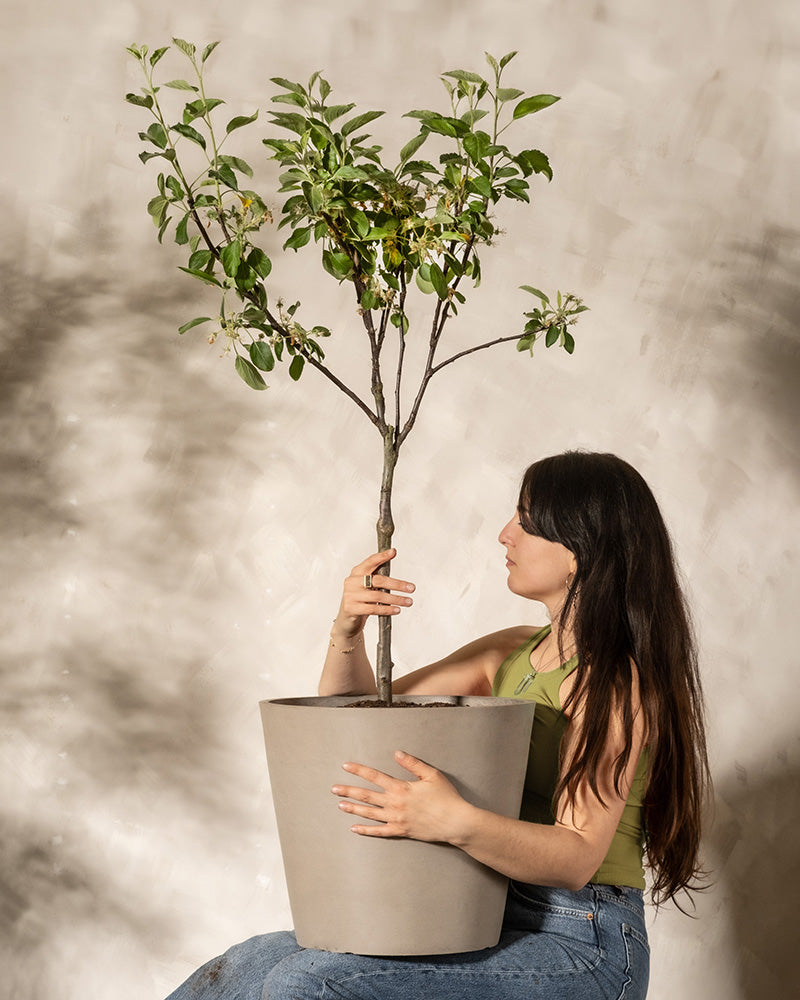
(555,944)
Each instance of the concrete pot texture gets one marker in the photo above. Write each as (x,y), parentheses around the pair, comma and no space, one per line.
(391,897)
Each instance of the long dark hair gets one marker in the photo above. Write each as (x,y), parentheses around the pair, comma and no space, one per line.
(628,613)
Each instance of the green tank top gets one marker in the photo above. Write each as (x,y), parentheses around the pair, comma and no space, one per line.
(515,679)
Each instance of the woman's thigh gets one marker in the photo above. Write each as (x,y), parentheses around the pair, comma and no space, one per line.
(555,945)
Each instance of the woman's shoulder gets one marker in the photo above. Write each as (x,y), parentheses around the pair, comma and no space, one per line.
(503,642)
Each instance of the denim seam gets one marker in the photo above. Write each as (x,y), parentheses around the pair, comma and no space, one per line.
(561,911)
(492,976)
(637,935)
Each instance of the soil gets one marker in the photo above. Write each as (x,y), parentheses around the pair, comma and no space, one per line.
(366,703)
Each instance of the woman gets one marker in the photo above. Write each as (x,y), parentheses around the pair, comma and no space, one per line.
(617,770)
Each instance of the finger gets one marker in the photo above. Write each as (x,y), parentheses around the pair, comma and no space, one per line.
(371,563)
(375,830)
(414,765)
(357,793)
(391,583)
(367,596)
(364,811)
(370,774)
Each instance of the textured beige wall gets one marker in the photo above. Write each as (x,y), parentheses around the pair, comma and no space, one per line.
(173,543)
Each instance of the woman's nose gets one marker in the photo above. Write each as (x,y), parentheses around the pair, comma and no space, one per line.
(505,535)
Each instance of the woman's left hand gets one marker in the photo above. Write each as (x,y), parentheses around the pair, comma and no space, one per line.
(428,808)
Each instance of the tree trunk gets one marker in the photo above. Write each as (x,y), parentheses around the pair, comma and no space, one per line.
(385,529)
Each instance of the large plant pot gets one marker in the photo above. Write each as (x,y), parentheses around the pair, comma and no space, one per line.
(373,896)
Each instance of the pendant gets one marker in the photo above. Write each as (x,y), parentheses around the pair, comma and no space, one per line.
(526,682)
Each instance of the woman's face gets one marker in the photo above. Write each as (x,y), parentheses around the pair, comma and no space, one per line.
(537,569)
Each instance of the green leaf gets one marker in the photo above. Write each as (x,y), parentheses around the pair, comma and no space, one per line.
(208,50)
(336,111)
(525,342)
(368,299)
(569,342)
(249,373)
(348,173)
(536,292)
(239,121)
(181,233)
(315,197)
(282,82)
(261,355)
(227,176)
(481,185)
(507,59)
(296,367)
(237,164)
(157,207)
(552,335)
(140,102)
(230,256)
(298,239)
(186,47)
(441,124)
(492,62)
(189,133)
(154,58)
(400,320)
(461,74)
(411,147)
(156,135)
(356,123)
(193,322)
(180,85)
(200,107)
(294,99)
(202,275)
(176,188)
(360,223)
(516,189)
(422,278)
(534,161)
(438,281)
(533,104)
(337,264)
(259,262)
(200,259)
(508,94)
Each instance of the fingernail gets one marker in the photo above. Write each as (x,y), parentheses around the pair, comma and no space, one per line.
(410,587)
(347,767)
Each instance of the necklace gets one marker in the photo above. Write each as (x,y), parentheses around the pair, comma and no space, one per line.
(533,673)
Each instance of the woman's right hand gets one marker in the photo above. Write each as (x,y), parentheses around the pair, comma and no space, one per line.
(386,596)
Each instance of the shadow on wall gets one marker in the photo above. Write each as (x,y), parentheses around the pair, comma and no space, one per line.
(771,284)
(105,623)
(758,875)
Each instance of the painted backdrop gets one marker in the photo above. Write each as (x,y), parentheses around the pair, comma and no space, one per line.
(173,543)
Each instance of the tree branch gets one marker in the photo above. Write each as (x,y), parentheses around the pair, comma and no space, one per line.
(400,356)
(472,350)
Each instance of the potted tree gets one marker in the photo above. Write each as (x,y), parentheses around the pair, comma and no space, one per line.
(386,234)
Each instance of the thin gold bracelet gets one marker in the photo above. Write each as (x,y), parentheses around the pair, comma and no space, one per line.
(351,648)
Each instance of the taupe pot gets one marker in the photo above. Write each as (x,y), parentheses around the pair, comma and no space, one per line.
(372,896)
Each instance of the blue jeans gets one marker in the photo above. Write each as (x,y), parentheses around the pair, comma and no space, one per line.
(556,944)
